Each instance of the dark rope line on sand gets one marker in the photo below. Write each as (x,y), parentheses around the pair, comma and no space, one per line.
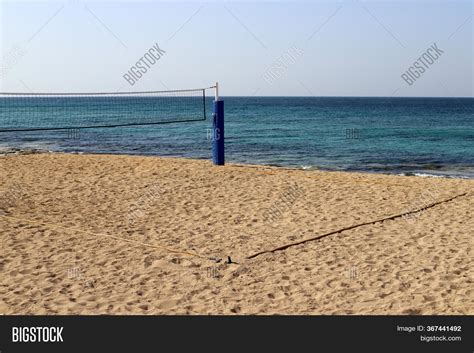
(284,247)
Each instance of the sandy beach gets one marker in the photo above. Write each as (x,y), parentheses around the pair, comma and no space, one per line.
(103,234)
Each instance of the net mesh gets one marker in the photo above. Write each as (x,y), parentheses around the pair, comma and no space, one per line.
(33,112)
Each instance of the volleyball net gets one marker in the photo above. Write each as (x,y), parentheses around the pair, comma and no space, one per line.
(60,111)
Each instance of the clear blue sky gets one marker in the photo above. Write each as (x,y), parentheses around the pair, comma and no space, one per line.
(349,48)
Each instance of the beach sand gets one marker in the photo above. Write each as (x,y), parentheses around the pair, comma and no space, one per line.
(102,234)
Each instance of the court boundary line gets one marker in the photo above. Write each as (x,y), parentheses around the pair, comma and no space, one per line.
(217,260)
(321,236)
(137,243)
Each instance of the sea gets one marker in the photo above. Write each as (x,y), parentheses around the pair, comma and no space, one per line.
(406,136)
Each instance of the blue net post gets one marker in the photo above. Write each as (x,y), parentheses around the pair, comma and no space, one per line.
(218,133)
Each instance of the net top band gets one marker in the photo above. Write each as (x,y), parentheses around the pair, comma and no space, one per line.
(101,93)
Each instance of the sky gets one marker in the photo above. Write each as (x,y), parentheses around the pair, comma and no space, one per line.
(261,48)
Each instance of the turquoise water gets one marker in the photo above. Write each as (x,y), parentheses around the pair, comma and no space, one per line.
(433,136)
